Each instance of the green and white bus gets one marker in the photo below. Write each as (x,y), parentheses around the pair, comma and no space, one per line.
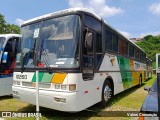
(80,58)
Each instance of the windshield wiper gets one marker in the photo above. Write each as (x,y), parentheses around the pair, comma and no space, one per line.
(49,69)
(25,54)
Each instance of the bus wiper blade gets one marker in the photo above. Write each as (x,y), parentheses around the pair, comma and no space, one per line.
(23,68)
(26,55)
(49,69)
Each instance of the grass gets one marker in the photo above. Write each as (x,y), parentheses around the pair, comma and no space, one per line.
(129,100)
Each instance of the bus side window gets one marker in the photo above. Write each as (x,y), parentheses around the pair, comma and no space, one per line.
(14,45)
(88,48)
(8,47)
(98,48)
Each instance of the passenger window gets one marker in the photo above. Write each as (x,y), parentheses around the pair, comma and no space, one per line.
(108,40)
(93,23)
(8,47)
(98,48)
(115,43)
(123,47)
(131,51)
(137,54)
(111,41)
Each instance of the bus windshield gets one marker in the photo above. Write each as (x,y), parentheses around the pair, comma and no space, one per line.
(2,40)
(56,45)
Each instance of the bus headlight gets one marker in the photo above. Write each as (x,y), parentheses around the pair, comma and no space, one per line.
(16,82)
(63,87)
(57,86)
(72,87)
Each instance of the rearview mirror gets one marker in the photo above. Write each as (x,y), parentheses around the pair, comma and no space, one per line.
(4,57)
(147,88)
(88,40)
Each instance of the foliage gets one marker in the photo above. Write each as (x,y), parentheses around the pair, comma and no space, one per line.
(6,28)
(151,45)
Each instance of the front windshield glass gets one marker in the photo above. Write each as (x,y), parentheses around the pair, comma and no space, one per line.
(57,44)
(2,40)
(28,44)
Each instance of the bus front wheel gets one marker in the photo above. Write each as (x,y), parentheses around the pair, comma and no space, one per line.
(106,93)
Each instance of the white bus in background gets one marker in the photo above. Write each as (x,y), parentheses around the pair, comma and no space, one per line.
(8,48)
(80,58)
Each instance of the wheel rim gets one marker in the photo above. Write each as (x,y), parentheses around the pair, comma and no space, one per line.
(107,93)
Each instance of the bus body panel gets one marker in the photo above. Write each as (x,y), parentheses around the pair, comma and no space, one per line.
(111,68)
(124,72)
(87,92)
(6,85)
(46,98)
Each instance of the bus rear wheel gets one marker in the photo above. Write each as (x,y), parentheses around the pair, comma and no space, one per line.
(106,93)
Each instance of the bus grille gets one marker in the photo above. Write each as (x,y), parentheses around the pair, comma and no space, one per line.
(44,85)
(28,84)
(41,85)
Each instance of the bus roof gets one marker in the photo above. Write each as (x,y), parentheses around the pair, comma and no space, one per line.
(148,59)
(10,35)
(71,10)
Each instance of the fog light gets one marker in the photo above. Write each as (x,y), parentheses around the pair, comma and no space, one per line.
(63,87)
(72,87)
(14,82)
(63,100)
(15,93)
(18,83)
(56,99)
(57,86)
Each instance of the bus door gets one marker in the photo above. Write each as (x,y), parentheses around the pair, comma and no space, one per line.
(88,54)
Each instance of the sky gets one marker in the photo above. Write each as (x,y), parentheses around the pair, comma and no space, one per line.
(133,18)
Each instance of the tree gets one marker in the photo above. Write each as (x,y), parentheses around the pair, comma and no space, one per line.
(8,28)
(147,37)
(2,24)
(151,45)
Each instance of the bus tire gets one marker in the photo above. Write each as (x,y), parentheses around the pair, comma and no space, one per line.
(140,80)
(107,92)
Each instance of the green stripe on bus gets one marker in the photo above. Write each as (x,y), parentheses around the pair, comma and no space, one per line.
(40,77)
(47,77)
(124,65)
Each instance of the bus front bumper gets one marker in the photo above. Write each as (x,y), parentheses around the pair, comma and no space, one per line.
(62,101)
